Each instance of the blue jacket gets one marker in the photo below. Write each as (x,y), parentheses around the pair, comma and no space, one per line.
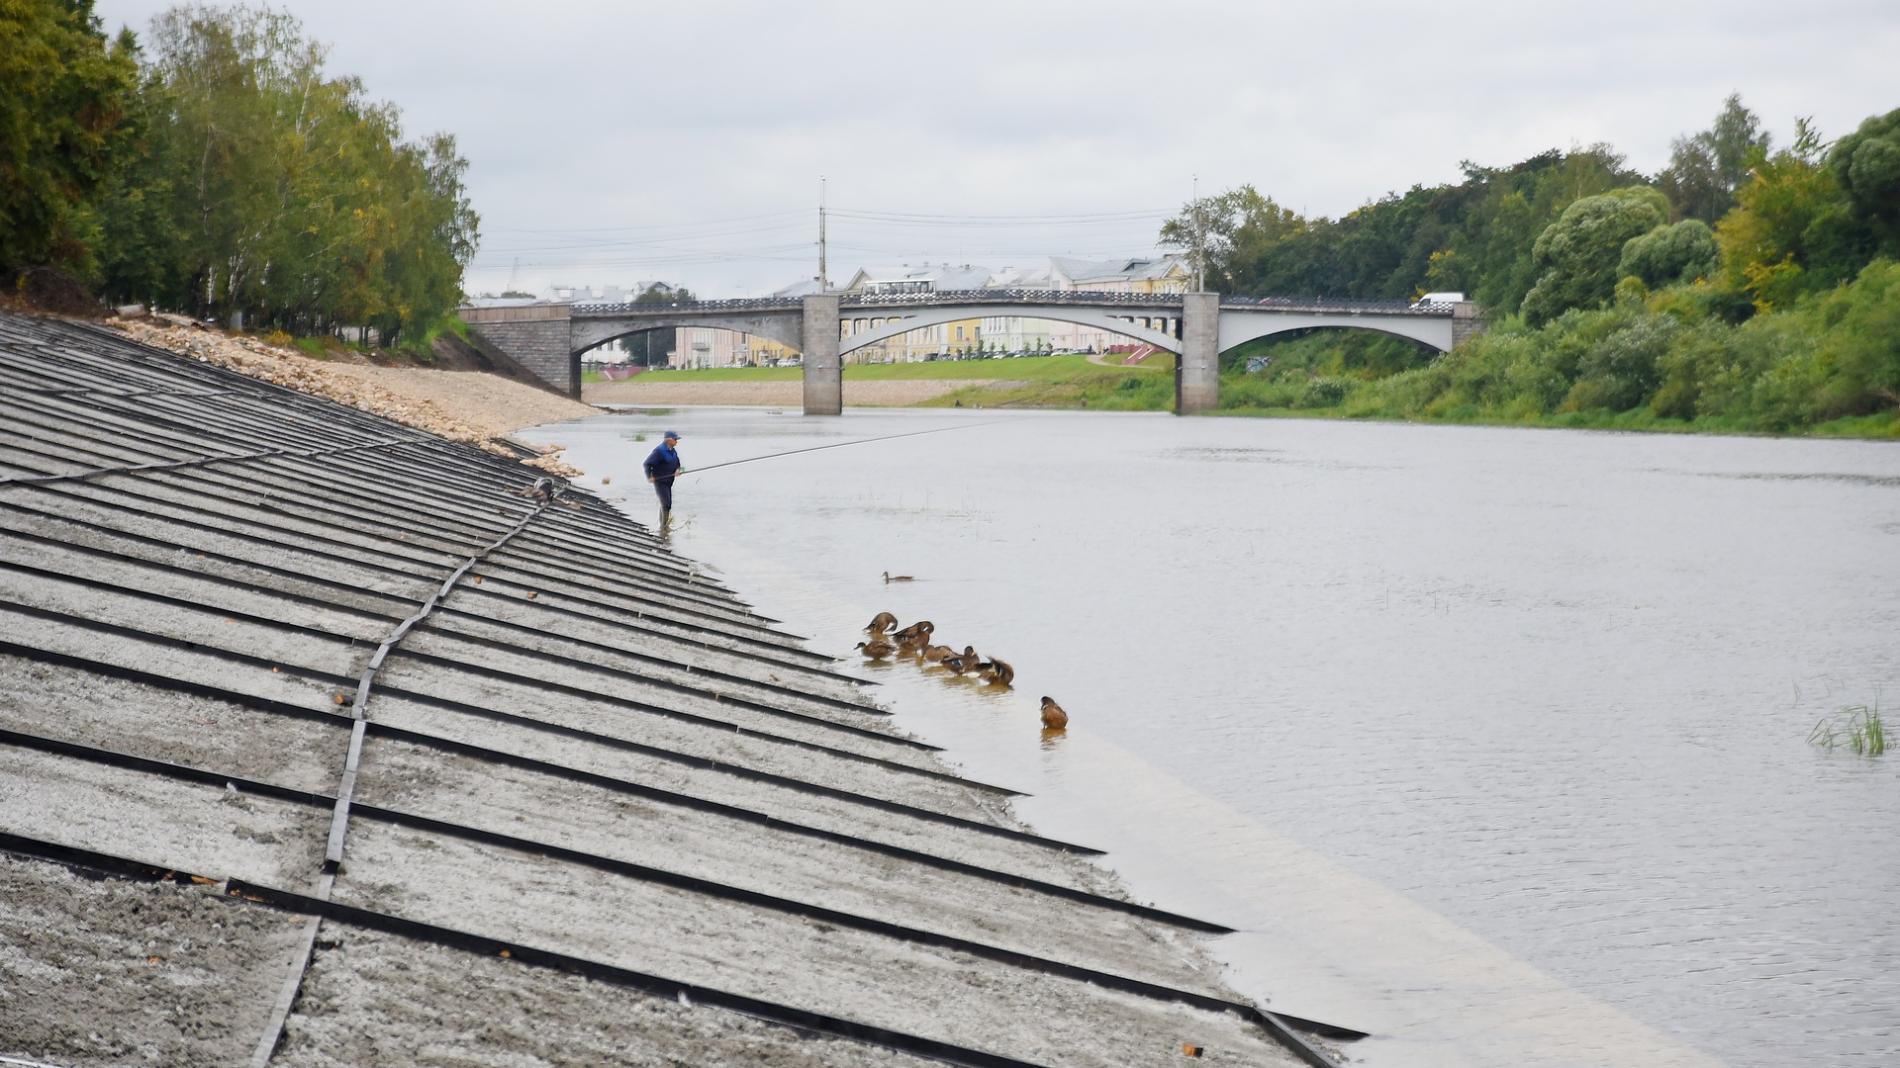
(663,462)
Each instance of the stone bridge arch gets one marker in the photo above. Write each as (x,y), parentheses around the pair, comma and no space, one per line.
(784,327)
(949,313)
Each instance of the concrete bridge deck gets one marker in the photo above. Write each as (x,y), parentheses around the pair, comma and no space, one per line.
(322,741)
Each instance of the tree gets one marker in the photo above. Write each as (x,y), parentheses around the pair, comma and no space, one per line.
(1866,166)
(1792,230)
(1578,254)
(64,95)
(1671,254)
(650,345)
(260,184)
(1233,231)
(1705,169)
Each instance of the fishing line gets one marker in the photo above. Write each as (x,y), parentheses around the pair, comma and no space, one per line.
(833,445)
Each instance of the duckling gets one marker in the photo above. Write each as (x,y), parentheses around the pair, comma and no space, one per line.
(876,649)
(890,578)
(881,623)
(920,629)
(935,653)
(1053,717)
(997,671)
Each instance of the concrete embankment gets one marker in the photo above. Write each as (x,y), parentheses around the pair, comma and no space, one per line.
(326,741)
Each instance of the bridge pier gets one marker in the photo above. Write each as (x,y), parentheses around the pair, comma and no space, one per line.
(818,343)
(1465,322)
(535,337)
(1197,370)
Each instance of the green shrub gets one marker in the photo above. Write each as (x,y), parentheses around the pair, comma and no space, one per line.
(1323,392)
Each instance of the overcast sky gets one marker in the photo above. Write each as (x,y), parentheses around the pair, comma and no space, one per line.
(614,142)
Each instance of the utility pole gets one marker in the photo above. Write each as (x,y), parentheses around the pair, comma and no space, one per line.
(824,280)
(1200,248)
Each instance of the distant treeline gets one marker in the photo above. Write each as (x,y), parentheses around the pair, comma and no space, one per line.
(1743,287)
(215,167)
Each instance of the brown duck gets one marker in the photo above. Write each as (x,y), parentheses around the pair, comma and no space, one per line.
(967,660)
(876,649)
(918,631)
(882,623)
(1053,716)
(997,671)
(936,653)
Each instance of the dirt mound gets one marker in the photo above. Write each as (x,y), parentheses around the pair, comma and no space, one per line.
(49,289)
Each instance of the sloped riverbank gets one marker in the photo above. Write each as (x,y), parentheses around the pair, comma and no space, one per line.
(328,740)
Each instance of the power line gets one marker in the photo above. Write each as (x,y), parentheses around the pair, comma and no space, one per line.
(1080,217)
(645,226)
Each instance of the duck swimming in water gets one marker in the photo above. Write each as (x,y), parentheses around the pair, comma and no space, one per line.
(1053,717)
(935,653)
(876,649)
(967,660)
(997,671)
(882,623)
(890,578)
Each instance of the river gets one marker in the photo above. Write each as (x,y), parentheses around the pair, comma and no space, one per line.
(1491,742)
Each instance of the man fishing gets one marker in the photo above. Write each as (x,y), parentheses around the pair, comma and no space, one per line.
(662,464)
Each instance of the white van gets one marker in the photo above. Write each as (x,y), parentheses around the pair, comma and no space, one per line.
(1430,299)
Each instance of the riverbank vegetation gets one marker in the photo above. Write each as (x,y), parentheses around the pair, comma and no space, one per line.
(1743,288)
(216,167)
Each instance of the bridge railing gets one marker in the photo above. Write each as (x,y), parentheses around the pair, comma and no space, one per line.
(854,301)
(736,304)
(1348,307)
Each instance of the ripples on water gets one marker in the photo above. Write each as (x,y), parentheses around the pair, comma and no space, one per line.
(1491,741)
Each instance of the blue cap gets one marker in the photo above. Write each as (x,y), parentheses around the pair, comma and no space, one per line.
(671,434)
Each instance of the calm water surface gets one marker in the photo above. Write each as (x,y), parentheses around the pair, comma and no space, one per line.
(1491,742)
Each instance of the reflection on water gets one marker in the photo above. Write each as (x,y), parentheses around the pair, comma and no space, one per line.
(1491,742)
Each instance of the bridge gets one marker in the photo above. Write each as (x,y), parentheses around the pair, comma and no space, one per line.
(548,339)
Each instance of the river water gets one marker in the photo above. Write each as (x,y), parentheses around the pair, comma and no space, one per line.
(1491,742)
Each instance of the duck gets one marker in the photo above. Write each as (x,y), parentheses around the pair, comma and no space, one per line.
(935,653)
(890,578)
(920,630)
(997,671)
(876,649)
(1053,717)
(967,660)
(912,645)
(881,623)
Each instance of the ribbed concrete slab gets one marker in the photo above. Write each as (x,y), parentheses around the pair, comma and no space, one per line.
(766,859)
(75,705)
(399,715)
(102,973)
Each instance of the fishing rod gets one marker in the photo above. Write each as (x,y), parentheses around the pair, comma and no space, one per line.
(833,445)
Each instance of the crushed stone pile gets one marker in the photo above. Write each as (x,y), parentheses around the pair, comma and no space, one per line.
(464,406)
